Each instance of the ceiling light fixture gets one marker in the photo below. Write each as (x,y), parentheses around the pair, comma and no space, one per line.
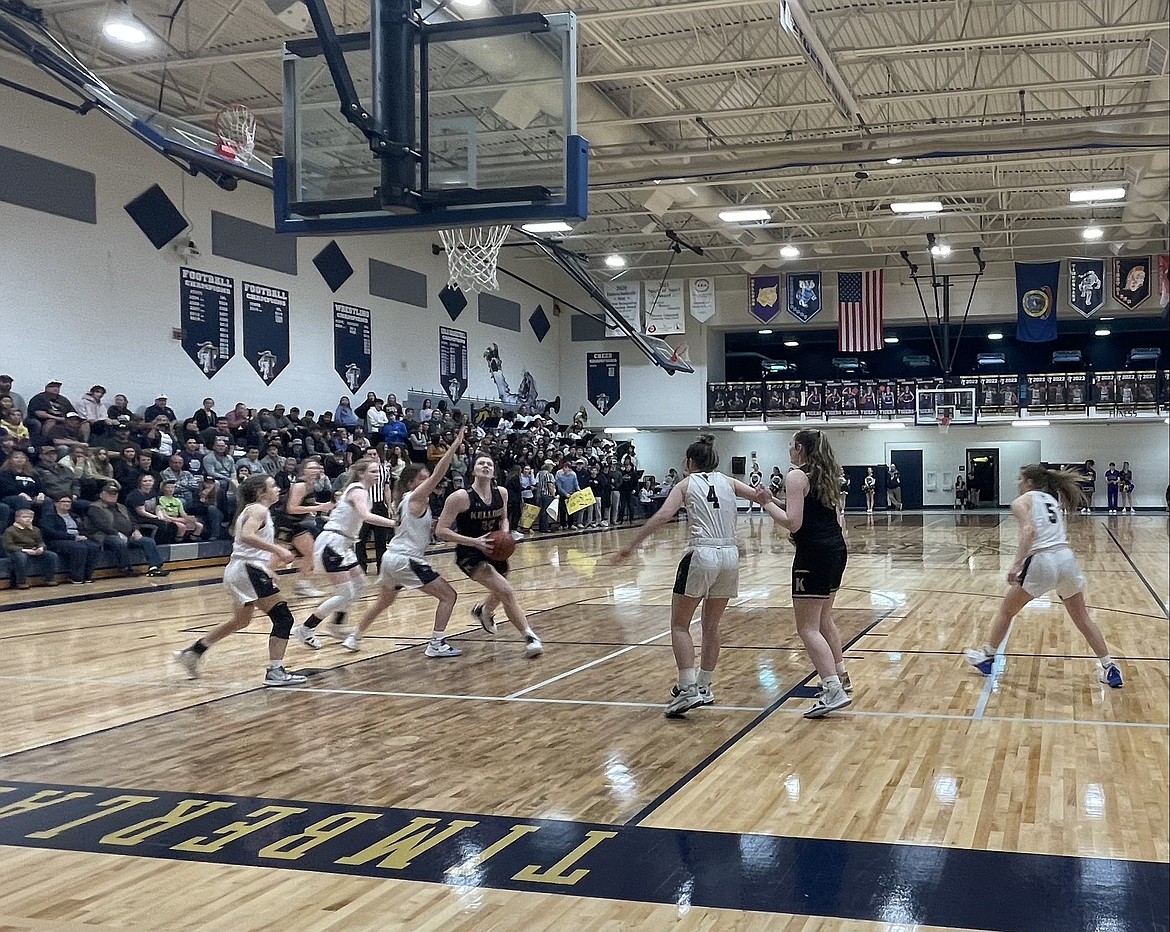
(1031,422)
(124,29)
(749,428)
(763,333)
(615,262)
(916,207)
(547,226)
(887,425)
(1092,195)
(1102,332)
(621,430)
(893,160)
(995,335)
(791,343)
(1092,233)
(940,250)
(744,215)
(789,252)
(890,339)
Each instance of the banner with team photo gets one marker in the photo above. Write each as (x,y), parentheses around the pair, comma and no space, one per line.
(453,362)
(975,382)
(783,399)
(905,397)
(997,394)
(1086,285)
(1036,285)
(814,399)
(887,398)
(603,379)
(1037,386)
(1104,395)
(834,399)
(1147,391)
(737,400)
(702,298)
(207,317)
(764,297)
(868,403)
(626,298)
(352,359)
(1127,393)
(1066,393)
(664,308)
(717,401)
(804,295)
(265,329)
(1132,280)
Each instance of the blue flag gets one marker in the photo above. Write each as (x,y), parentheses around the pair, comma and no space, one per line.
(1036,285)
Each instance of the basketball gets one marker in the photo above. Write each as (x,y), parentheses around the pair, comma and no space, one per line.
(503,545)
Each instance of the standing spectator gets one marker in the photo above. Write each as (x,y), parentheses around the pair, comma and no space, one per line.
(6,391)
(50,407)
(755,481)
(1126,480)
(960,491)
(419,444)
(894,487)
(567,484)
(628,490)
(109,523)
(63,536)
(869,485)
(546,492)
(424,415)
(1112,486)
(27,553)
(205,417)
(93,409)
(159,409)
(1088,474)
(376,418)
(364,408)
(776,483)
(119,409)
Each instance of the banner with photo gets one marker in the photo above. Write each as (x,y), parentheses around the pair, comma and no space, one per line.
(804,295)
(906,397)
(352,359)
(835,398)
(814,399)
(1104,395)
(1036,285)
(702,298)
(664,308)
(738,394)
(453,362)
(1132,280)
(868,402)
(717,398)
(997,394)
(207,317)
(603,379)
(764,297)
(887,394)
(626,298)
(1037,393)
(265,329)
(1086,285)
(1137,391)
(783,399)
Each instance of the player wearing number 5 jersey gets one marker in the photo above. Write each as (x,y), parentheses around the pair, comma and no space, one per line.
(709,570)
(1044,562)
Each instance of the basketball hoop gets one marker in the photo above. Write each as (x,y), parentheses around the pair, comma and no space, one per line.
(236,128)
(681,354)
(472,255)
(944,424)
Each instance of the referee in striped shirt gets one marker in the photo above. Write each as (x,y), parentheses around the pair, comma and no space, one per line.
(381,497)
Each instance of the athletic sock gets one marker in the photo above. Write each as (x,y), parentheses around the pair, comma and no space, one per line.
(198,648)
(687,678)
(273,664)
(1106,661)
(312,621)
(841,668)
(831,682)
(705,677)
(437,636)
(988,650)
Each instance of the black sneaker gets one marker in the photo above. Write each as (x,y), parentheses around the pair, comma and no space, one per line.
(157,571)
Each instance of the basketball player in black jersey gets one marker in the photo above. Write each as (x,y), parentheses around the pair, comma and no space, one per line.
(468,517)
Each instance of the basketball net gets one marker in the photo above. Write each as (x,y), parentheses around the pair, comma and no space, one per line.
(236,128)
(944,424)
(681,354)
(472,257)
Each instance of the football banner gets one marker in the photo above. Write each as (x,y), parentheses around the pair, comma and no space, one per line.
(207,316)
(265,329)
(1131,280)
(1086,285)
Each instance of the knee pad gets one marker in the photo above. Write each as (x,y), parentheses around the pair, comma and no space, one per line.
(282,620)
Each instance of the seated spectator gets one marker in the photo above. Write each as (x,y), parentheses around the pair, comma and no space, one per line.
(109,523)
(436,449)
(281,421)
(205,417)
(359,443)
(27,553)
(120,409)
(344,416)
(325,421)
(6,391)
(287,477)
(119,438)
(71,431)
(170,508)
(50,406)
(187,488)
(265,421)
(158,435)
(160,408)
(217,431)
(309,421)
(13,422)
(56,480)
(251,462)
(142,503)
(19,485)
(192,455)
(96,472)
(63,536)
(272,462)
(218,465)
(93,409)
(126,471)
(237,418)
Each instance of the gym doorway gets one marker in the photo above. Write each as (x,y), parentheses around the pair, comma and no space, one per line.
(983,477)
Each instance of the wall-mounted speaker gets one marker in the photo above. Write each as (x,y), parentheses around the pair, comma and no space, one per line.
(157,216)
(333,266)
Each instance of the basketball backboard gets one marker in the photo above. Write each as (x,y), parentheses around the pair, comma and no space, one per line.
(956,403)
(473,123)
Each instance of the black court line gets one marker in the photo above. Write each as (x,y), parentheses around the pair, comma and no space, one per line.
(1141,575)
(951,653)
(798,690)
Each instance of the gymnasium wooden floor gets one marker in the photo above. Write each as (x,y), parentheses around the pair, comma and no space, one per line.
(497,792)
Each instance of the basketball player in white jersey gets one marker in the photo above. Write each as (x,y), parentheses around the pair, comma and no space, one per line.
(1044,562)
(709,570)
(250,581)
(404,565)
(334,553)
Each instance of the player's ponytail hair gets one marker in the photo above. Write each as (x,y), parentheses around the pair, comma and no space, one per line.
(821,467)
(1061,484)
(248,494)
(406,477)
(701,454)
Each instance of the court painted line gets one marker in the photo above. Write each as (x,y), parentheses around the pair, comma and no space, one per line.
(586,666)
(997,668)
(1140,575)
(951,716)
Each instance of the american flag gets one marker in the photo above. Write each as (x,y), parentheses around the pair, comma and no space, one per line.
(860,304)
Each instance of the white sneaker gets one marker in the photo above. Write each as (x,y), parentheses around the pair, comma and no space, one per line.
(305,589)
(516,535)
(353,642)
(532,646)
(486,621)
(306,636)
(279,676)
(605,524)
(335,631)
(442,649)
(189,661)
(828,701)
(706,696)
(682,700)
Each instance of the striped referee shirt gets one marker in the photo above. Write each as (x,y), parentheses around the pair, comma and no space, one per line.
(385,478)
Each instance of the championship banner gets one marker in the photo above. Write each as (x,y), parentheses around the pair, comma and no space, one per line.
(207,316)
(664,308)
(579,500)
(702,298)
(626,298)
(1131,280)
(804,295)
(453,362)
(1036,285)
(1086,285)
(351,344)
(603,378)
(764,297)
(265,329)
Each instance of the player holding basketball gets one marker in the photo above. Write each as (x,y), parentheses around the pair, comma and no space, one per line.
(404,565)
(816,516)
(469,518)
(1044,562)
(709,570)
(333,553)
(250,581)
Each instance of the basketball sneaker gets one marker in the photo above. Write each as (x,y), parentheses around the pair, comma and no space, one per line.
(486,621)
(353,642)
(828,701)
(682,700)
(1111,676)
(981,661)
(335,629)
(706,695)
(442,649)
(306,590)
(279,676)
(189,661)
(306,636)
(847,684)
(532,646)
